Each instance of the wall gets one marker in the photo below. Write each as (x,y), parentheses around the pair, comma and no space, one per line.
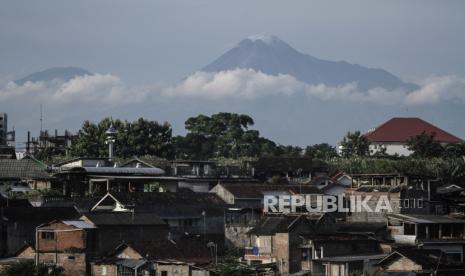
(74,264)
(224,194)
(236,236)
(281,252)
(99,269)
(403,264)
(71,238)
(174,269)
(392,148)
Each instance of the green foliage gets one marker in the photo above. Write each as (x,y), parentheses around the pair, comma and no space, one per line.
(29,269)
(226,135)
(138,138)
(323,151)
(229,265)
(355,144)
(425,146)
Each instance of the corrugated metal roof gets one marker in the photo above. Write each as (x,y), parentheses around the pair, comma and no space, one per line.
(79,224)
(25,168)
(132,263)
(124,170)
(426,218)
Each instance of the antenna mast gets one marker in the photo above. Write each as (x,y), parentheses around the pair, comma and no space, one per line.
(41,119)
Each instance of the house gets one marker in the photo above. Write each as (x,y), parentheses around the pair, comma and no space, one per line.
(98,175)
(25,174)
(276,239)
(429,232)
(201,176)
(338,253)
(162,257)
(18,225)
(415,261)
(246,205)
(65,243)
(24,255)
(112,228)
(184,211)
(393,135)
(296,170)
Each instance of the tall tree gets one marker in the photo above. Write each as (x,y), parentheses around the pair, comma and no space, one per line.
(425,145)
(321,151)
(141,137)
(355,144)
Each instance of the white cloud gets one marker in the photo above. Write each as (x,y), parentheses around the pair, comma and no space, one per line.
(434,90)
(88,89)
(248,83)
(109,90)
(241,83)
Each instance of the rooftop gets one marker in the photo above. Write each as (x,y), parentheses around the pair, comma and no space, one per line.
(402,129)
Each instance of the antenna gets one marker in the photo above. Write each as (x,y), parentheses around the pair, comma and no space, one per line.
(41,119)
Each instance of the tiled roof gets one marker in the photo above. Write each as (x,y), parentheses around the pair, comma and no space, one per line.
(247,190)
(38,214)
(402,129)
(275,224)
(187,250)
(185,204)
(25,168)
(123,218)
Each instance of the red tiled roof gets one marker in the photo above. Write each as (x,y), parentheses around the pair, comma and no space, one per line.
(402,129)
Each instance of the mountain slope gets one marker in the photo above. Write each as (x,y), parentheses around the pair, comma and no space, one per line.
(61,73)
(273,56)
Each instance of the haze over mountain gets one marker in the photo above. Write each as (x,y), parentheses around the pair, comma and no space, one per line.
(271,55)
(60,73)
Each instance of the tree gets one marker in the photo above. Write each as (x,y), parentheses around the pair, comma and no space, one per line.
(425,145)
(321,151)
(355,144)
(225,135)
(141,137)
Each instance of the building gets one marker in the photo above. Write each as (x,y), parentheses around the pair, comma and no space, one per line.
(24,175)
(67,244)
(429,232)
(295,170)
(3,129)
(414,261)
(394,135)
(276,239)
(338,254)
(57,143)
(112,228)
(18,224)
(161,257)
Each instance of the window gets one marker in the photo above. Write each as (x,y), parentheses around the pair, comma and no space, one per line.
(48,235)
(72,258)
(104,270)
(164,273)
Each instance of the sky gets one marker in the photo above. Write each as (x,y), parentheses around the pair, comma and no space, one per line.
(140,44)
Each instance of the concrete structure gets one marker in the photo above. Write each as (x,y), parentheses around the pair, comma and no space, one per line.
(3,129)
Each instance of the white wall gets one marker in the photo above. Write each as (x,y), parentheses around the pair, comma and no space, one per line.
(391,148)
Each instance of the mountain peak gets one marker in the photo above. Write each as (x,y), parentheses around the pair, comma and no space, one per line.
(273,56)
(265,38)
(60,73)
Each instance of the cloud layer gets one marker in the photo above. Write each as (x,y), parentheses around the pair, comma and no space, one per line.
(247,84)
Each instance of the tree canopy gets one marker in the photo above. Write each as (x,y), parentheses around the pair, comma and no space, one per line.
(355,144)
